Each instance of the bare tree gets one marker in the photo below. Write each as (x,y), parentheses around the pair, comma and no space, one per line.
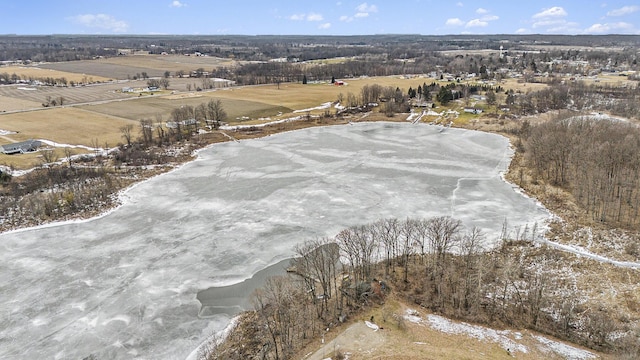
(164,83)
(49,156)
(408,234)
(442,232)
(388,231)
(277,304)
(146,130)
(67,154)
(216,113)
(358,245)
(474,268)
(126,133)
(316,263)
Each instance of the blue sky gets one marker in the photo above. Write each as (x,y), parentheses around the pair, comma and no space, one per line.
(320,17)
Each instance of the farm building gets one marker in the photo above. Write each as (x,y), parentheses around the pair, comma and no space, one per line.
(20,147)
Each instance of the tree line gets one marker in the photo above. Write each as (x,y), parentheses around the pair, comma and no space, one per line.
(435,263)
(8,79)
(596,160)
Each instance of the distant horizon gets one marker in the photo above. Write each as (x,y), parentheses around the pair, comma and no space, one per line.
(314,35)
(334,18)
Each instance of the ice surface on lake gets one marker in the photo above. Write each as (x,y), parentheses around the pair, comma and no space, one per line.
(124,285)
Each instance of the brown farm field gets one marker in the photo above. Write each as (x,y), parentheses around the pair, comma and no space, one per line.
(298,96)
(64,125)
(72,95)
(41,72)
(8,103)
(124,67)
(248,101)
(71,126)
(169,62)
(150,107)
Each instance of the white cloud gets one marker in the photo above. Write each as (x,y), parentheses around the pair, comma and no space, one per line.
(608,28)
(459,4)
(454,22)
(481,11)
(522,31)
(549,22)
(625,10)
(366,8)
(362,11)
(490,18)
(324,26)
(476,23)
(308,17)
(177,4)
(566,28)
(314,17)
(553,12)
(100,21)
(553,21)
(563,27)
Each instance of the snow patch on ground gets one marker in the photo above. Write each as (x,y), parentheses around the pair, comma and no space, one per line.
(371,325)
(507,339)
(564,350)
(326,105)
(6,132)
(59,145)
(580,251)
(238,127)
(413,116)
(501,337)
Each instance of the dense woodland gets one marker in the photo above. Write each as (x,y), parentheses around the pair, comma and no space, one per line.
(597,161)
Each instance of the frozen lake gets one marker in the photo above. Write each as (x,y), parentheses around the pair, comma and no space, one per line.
(124,285)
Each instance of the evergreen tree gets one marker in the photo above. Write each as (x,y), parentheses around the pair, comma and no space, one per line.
(444,95)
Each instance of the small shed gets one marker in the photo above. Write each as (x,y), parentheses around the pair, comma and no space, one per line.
(20,147)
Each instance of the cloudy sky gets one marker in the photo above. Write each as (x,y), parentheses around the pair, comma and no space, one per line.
(329,17)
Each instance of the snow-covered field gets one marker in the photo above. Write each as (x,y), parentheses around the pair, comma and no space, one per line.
(124,285)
